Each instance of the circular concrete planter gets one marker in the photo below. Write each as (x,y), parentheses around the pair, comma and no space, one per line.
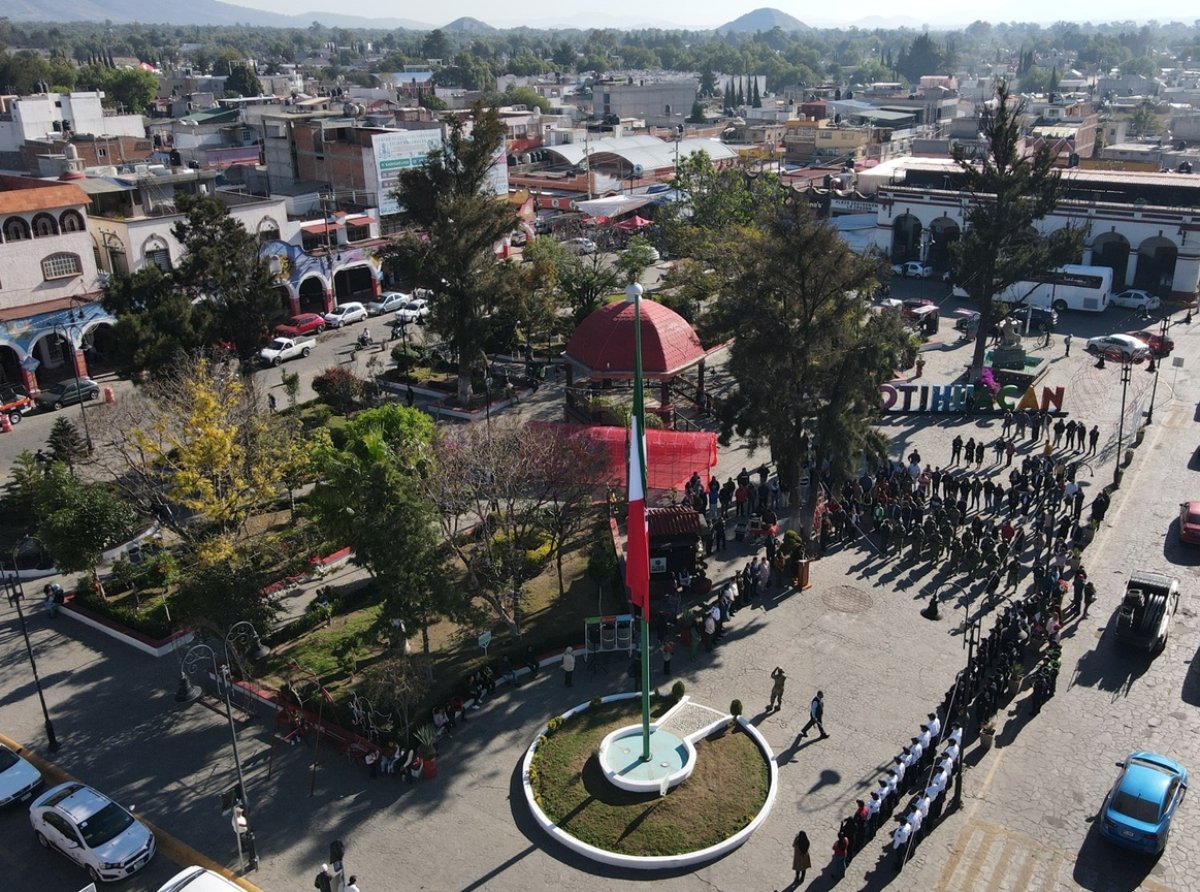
(660,862)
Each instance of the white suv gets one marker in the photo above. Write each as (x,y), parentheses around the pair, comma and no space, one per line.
(913,269)
(91,830)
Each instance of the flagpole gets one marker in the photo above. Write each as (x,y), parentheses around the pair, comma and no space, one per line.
(640,574)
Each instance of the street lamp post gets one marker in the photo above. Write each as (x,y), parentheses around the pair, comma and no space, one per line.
(66,336)
(323,695)
(1126,376)
(1156,367)
(16,594)
(190,693)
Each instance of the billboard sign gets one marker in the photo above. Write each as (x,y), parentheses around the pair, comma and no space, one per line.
(397,151)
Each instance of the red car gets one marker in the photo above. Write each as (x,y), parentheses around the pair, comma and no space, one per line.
(1160,345)
(304,324)
(1189,522)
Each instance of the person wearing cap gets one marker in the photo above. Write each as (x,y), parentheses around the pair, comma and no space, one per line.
(921,809)
(874,803)
(900,837)
(955,735)
(934,726)
(901,767)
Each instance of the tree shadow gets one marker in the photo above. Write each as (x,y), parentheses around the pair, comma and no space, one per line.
(1190,692)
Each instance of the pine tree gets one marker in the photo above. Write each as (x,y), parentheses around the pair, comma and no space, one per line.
(65,443)
(741,95)
(756,98)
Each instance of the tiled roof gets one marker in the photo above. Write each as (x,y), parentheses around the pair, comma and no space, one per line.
(603,342)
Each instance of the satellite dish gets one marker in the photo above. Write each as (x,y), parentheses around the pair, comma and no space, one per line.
(637,170)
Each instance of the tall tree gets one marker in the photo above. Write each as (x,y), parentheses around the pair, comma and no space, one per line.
(221,264)
(78,521)
(455,222)
(242,80)
(809,352)
(65,443)
(156,323)
(372,498)
(1009,193)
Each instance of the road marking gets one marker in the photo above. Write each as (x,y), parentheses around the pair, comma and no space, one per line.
(179,852)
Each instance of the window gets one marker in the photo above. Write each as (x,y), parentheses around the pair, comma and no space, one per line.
(61,266)
(71,221)
(44,225)
(16,229)
(159,257)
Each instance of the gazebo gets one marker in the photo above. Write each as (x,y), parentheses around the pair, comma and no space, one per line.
(601,348)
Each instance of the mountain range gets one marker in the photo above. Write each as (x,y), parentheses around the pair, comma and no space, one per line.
(194,12)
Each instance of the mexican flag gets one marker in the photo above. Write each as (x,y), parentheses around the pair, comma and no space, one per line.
(637,556)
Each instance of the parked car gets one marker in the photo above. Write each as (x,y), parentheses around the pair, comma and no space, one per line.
(580,245)
(1138,810)
(18,779)
(283,349)
(388,302)
(1160,345)
(67,393)
(197,879)
(1038,317)
(91,830)
(1135,299)
(415,309)
(913,269)
(1119,347)
(518,238)
(1149,603)
(344,314)
(14,402)
(304,324)
(1189,522)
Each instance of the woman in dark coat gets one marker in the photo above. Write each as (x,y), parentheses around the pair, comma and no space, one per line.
(801,861)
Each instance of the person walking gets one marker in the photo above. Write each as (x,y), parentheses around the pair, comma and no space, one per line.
(568,664)
(667,651)
(779,679)
(801,860)
(1093,438)
(1067,344)
(816,712)
(352,885)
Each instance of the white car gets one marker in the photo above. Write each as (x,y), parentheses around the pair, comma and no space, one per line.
(344,314)
(1135,299)
(913,269)
(388,302)
(197,879)
(91,830)
(580,245)
(415,309)
(1119,347)
(18,779)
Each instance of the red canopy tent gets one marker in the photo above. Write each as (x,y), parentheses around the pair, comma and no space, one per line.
(634,223)
(671,456)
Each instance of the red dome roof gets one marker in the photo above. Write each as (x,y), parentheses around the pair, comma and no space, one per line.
(603,342)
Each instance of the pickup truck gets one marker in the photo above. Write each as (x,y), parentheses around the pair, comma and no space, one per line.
(1144,617)
(283,349)
(14,402)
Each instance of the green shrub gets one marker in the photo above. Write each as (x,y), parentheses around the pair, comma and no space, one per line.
(553,725)
(677,691)
(338,388)
(735,708)
(595,703)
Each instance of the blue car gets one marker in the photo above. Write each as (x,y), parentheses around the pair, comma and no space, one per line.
(1138,810)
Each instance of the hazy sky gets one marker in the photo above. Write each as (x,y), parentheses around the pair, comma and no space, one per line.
(711,13)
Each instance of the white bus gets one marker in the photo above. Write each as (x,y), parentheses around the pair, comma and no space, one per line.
(1066,288)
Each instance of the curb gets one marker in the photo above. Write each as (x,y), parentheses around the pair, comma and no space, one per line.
(179,852)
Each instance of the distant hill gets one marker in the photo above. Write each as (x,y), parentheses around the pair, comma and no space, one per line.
(763,20)
(468,25)
(194,12)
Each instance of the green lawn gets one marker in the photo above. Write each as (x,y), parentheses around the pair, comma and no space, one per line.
(724,793)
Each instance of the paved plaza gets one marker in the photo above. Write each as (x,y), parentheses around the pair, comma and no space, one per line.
(1029,805)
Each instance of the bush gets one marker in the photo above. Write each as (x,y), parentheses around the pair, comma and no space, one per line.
(735,708)
(338,388)
(553,725)
(595,703)
(677,691)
